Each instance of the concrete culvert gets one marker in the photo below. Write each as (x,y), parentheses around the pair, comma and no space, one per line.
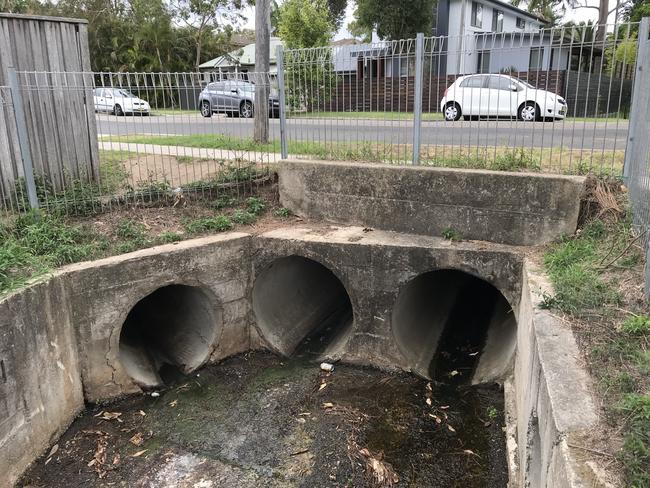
(301,307)
(167,334)
(454,327)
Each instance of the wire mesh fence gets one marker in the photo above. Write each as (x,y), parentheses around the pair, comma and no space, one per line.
(103,139)
(637,158)
(555,100)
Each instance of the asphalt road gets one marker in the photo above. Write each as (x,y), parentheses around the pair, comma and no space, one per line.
(572,134)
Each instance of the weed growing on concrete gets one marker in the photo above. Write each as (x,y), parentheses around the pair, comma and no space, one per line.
(451,234)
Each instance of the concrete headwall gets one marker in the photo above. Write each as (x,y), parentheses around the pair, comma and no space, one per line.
(63,333)
(502,207)
(40,381)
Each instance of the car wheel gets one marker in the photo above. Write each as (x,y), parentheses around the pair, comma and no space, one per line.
(206,109)
(452,112)
(117,110)
(246,110)
(529,112)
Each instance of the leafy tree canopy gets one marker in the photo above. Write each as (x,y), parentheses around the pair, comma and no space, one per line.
(304,23)
(146,35)
(394,19)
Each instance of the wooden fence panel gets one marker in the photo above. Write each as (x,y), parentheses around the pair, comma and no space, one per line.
(57,97)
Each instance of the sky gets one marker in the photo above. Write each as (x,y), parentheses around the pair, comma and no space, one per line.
(575,15)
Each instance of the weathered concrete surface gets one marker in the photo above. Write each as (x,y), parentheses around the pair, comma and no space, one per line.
(102,293)
(502,207)
(67,330)
(40,381)
(552,393)
(374,266)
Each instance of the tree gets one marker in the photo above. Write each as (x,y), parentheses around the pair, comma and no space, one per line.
(304,23)
(336,10)
(309,73)
(205,17)
(395,19)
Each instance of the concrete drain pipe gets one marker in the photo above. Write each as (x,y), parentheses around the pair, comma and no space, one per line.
(302,308)
(454,327)
(167,334)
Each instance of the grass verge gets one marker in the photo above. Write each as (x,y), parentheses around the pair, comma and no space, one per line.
(35,243)
(598,281)
(499,158)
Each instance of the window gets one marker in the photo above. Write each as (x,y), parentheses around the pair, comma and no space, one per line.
(521,23)
(477,14)
(473,82)
(536,56)
(497,20)
(483,62)
(500,83)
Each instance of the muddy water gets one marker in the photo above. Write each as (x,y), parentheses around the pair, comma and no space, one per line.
(257,420)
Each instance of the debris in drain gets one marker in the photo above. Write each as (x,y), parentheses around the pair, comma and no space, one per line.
(381,472)
(155,394)
(329,367)
(322,386)
(109,415)
(137,439)
(328,405)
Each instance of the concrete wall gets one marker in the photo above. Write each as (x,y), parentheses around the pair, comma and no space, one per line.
(511,208)
(40,381)
(551,396)
(103,292)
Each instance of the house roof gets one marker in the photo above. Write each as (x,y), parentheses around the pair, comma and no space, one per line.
(519,11)
(244,56)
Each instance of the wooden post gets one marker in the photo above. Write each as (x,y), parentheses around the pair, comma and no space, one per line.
(262,62)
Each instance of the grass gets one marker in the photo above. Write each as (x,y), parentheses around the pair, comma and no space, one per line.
(33,244)
(588,272)
(499,158)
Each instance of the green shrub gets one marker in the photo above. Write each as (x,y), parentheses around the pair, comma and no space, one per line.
(220,223)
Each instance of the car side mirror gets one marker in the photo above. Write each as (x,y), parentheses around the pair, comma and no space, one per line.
(235,90)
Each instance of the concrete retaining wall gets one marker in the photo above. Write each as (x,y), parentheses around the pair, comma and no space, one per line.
(552,399)
(40,380)
(64,332)
(509,208)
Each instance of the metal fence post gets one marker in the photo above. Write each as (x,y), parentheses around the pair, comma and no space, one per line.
(23,139)
(640,96)
(417,96)
(284,147)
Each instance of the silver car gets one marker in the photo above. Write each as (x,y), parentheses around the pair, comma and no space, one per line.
(118,101)
(234,98)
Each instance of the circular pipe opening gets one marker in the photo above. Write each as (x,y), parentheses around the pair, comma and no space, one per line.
(301,307)
(454,327)
(168,334)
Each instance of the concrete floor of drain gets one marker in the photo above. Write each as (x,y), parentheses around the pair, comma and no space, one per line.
(256,420)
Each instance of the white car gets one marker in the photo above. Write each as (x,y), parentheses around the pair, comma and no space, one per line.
(475,96)
(119,101)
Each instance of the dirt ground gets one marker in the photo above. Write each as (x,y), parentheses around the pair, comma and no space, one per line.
(258,420)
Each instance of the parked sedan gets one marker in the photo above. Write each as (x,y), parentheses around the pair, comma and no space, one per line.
(234,98)
(118,101)
(476,96)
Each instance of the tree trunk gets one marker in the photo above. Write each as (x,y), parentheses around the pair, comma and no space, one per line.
(603,13)
(262,61)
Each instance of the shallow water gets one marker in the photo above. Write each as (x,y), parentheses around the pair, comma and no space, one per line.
(259,420)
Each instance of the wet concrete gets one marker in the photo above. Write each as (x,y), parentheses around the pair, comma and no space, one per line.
(259,420)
